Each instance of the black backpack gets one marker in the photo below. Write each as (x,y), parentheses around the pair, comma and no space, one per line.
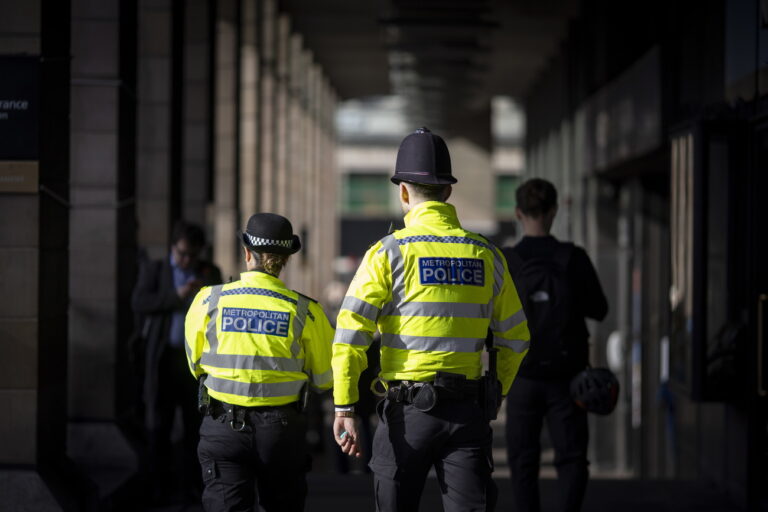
(543,286)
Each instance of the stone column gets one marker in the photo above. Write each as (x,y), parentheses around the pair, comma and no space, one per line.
(226,139)
(153,180)
(34,236)
(102,263)
(267,102)
(282,115)
(249,110)
(196,141)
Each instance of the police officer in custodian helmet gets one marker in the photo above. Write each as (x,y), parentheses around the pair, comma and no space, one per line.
(435,291)
(257,346)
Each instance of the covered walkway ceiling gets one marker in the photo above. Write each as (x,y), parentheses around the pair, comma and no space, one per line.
(447,58)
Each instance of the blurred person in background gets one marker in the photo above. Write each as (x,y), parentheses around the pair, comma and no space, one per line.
(163,293)
(559,288)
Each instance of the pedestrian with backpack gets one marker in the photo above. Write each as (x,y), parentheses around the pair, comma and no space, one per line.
(559,288)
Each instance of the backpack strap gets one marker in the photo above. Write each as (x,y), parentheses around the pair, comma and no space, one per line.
(563,253)
(514,261)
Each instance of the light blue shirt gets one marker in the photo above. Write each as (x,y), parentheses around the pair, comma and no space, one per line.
(180,278)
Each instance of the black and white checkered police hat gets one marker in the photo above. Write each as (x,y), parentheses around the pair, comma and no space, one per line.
(272,233)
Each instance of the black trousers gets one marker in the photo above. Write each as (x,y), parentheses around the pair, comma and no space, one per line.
(453,437)
(270,454)
(175,387)
(528,403)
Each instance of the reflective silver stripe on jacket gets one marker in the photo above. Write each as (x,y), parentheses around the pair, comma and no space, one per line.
(441,309)
(252,362)
(213,311)
(360,307)
(498,273)
(254,389)
(321,379)
(508,323)
(518,346)
(353,337)
(390,246)
(302,306)
(432,343)
(188,350)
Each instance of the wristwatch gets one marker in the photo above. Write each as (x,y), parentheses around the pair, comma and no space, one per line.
(345,411)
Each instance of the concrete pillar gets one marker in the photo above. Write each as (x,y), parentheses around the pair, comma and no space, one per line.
(282,115)
(249,110)
(20,32)
(153,180)
(328,225)
(294,201)
(102,242)
(34,236)
(197,111)
(314,186)
(267,102)
(93,226)
(226,139)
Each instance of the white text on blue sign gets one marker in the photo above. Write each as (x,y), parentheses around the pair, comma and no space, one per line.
(255,321)
(451,271)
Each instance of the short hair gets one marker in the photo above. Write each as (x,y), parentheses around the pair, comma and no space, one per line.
(536,197)
(269,262)
(429,192)
(192,233)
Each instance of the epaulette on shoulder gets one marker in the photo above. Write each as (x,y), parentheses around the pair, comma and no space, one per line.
(487,241)
(306,297)
(310,299)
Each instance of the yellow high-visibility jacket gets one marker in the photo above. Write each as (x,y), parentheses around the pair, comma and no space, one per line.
(258,342)
(432,289)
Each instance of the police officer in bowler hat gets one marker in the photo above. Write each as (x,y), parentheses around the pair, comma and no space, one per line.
(257,347)
(433,290)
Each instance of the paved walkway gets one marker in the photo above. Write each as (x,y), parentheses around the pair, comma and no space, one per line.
(354,493)
(328,492)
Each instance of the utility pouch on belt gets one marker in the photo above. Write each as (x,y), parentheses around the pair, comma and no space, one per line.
(303,397)
(490,389)
(426,397)
(203,398)
(451,382)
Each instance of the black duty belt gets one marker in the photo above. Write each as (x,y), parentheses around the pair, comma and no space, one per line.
(448,387)
(236,414)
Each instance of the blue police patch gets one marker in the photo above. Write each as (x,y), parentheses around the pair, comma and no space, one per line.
(452,271)
(255,321)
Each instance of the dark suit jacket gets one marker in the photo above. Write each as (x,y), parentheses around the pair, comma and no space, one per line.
(155,300)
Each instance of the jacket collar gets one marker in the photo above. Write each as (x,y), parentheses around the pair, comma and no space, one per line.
(261,279)
(432,212)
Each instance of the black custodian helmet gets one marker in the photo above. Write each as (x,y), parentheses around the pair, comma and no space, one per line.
(423,158)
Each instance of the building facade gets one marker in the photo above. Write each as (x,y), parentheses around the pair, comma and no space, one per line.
(653,127)
(119,118)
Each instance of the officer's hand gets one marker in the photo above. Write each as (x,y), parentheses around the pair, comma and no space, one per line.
(345,435)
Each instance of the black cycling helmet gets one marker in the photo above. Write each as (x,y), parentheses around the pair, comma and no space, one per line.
(596,390)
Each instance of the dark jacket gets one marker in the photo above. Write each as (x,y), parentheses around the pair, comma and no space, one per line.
(154,300)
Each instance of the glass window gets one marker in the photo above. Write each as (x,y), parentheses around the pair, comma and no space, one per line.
(681,231)
(506,185)
(367,194)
